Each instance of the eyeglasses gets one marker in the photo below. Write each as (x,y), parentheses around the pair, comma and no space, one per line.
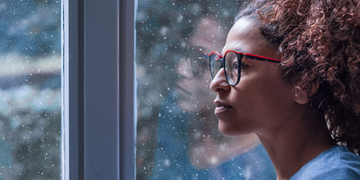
(232,63)
(197,58)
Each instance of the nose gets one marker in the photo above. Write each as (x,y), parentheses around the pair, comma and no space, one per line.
(219,82)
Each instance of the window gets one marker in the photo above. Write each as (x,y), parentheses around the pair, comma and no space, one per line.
(177,136)
(65,88)
(30,89)
(105,116)
(98,89)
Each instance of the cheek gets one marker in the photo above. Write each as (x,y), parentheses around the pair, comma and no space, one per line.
(278,91)
(262,97)
(276,107)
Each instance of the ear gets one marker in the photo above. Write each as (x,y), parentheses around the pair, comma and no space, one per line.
(302,95)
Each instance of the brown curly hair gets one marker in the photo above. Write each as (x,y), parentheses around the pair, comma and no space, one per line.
(319,42)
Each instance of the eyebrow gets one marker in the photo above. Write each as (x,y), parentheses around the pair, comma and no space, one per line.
(235,50)
(258,56)
(240,50)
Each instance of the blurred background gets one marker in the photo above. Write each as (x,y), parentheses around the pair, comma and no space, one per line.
(30,89)
(177,135)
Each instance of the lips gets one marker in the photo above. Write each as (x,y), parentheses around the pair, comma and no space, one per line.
(221,107)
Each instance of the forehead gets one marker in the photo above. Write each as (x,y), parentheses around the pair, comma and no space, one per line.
(245,36)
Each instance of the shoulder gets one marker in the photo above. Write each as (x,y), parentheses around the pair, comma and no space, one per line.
(336,163)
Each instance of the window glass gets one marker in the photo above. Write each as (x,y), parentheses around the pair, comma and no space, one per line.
(177,135)
(30,89)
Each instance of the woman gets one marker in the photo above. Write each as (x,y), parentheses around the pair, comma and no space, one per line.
(291,75)
(188,146)
(213,155)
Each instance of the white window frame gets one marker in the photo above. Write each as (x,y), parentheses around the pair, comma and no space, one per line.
(98,89)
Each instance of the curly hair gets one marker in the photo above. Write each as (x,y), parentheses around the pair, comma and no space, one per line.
(319,42)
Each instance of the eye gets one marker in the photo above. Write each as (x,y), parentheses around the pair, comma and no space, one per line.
(244,66)
(235,65)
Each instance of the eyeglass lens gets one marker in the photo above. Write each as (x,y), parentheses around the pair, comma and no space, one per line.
(215,64)
(232,66)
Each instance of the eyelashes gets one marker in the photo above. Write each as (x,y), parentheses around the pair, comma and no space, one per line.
(244,66)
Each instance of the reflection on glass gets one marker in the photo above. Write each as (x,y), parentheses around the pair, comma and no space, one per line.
(30,85)
(177,136)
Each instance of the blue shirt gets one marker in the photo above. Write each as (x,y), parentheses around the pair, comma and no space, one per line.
(337,163)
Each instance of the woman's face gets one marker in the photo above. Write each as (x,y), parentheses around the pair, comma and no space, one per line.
(261,101)
(192,87)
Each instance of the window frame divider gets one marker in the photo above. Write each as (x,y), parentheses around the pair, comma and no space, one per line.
(99,94)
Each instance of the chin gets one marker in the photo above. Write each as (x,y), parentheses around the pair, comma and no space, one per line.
(231,129)
(227,131)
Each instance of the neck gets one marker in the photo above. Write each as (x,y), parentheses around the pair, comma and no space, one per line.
(215,153)
(295,143)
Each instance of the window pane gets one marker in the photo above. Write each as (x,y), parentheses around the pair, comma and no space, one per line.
(30,89)
(177,134)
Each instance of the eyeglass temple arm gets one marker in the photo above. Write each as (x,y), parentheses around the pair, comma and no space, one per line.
(261,58)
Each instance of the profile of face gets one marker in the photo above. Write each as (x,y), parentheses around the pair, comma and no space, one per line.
(193,69)
(261,101)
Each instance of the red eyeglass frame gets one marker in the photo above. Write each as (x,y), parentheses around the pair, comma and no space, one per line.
(240,56)
(248,56)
